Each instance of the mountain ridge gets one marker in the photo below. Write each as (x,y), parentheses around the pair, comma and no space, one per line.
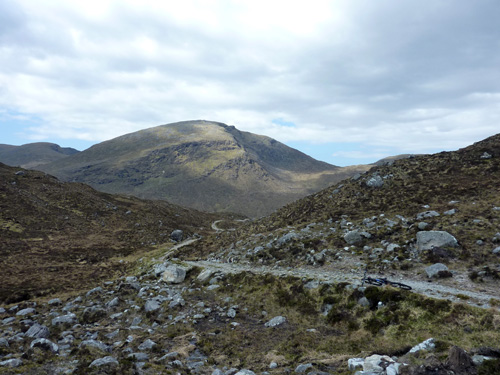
(201,164)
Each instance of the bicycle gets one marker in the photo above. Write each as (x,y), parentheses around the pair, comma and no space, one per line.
(383,281)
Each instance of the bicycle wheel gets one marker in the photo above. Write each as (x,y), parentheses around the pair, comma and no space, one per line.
(401,286)
(371,281)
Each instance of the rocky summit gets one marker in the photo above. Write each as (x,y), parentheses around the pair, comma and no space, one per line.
(204,165)
(392,271)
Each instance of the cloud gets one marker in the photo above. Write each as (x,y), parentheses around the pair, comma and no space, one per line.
(405,76)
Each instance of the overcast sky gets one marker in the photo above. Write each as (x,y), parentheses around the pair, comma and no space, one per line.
(347,82)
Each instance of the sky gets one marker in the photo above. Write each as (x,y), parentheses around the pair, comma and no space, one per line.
(345,81)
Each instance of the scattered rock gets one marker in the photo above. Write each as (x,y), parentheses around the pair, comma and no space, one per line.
(105,361)
(486,155)
(245,372)
(205,275)
(27,311)
(174,274)
(355,236)
(65,320)
(152,305)
(276,321)
(45,345)
(177,235)
(429,345)
(14,362)
(355,363)
(147,345)
(375,181)
(438,270)
(38,331)
(428,239)
(426,214)
(301,369)
(460,362)
(496,250)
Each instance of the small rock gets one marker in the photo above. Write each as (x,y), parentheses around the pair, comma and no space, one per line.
(99,345)
(152,305)
(14,362)
(4,343)
(55,302)
(245,372)
(300,369)
(27,311)
(438,270)
(45,345)
(38,331)
(423,225)
(276,321)
(204,275)
(486,155)
(105,361)
(355,363)
(231,313)
(375,181)
(450,212)
(68,319)
(139,357)
(147,345)
(429,345)
(427,214)
(496,251)
(177,235)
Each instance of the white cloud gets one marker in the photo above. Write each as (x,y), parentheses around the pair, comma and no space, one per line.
(407,76)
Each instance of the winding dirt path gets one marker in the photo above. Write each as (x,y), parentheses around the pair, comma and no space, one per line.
(434,289)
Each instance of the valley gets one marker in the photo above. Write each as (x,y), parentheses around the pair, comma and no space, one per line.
(131,286)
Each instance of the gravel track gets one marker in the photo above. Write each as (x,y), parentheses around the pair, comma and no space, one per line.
(434,289)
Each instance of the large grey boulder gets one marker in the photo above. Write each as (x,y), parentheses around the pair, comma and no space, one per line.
(428,239)
(377,363)
(438,270)
(174,274)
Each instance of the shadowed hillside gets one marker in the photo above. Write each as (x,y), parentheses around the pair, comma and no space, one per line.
(62,236)
(204,165)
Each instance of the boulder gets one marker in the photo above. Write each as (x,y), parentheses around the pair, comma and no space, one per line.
(426,240)
(152,305)
(174,274)
(429,345)
(438,270)
(460,362)
(355,363)
(27,311)
(205,275)
(147,345)
(45,345)
(38,331)
(65,320)
(355,237)
(377,363)
(14,362)
(177,235)
(426,214)
(105,361)
(375,181)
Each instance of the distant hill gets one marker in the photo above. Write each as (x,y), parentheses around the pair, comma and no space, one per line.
(32,155)
(63,236)
(204,165)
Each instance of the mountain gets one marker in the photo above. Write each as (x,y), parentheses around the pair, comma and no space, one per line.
(32,155)
(204,165)
(63,236)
